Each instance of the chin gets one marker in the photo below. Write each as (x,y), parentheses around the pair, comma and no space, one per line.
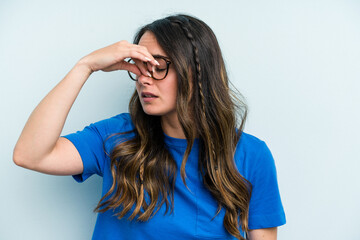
(152,112)
(156,112)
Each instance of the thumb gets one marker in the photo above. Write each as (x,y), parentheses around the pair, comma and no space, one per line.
(123,65)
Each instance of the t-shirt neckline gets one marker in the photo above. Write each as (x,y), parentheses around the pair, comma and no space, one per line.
(179,142)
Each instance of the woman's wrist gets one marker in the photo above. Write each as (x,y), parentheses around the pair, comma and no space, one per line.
(81,65)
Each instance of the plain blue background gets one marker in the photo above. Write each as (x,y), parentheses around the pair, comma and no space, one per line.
(296,63)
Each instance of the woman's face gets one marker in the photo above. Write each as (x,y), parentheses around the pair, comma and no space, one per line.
(157,97)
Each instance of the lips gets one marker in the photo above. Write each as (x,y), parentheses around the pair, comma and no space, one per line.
(148,95)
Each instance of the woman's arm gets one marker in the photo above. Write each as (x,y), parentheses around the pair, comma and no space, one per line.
(263,234)
(40,146)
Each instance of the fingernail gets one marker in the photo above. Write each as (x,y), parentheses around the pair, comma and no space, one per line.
(157,63)
(148,59)
(148,74)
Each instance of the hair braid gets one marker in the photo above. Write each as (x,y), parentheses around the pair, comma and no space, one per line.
(197,61)
(190,36)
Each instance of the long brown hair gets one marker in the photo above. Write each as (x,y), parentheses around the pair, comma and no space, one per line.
(207,109)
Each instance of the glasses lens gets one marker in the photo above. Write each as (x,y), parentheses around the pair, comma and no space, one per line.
(159,72)
(133,76)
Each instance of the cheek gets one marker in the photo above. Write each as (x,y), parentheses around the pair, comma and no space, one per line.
(172,92)
(137,86)
(172,86)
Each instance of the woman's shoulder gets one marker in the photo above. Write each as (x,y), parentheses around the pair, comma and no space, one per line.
(124,118)
(115,124)
(118,123)
(249,142)
(251,153)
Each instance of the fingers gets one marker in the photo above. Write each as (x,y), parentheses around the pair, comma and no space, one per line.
(131,67)
(141,53)
(111,58)
(143,67)
(124,66)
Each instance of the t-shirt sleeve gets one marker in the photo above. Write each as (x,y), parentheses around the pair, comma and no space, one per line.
(89,143)
(266,209)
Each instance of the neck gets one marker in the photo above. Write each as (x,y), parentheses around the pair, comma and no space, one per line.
(171,126)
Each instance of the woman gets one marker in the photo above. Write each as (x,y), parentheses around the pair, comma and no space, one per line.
(182,121)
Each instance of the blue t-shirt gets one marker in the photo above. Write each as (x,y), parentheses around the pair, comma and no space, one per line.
(193,210)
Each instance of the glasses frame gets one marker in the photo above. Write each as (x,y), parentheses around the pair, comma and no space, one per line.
(167,68)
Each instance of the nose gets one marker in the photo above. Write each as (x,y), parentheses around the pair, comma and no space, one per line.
(145,80)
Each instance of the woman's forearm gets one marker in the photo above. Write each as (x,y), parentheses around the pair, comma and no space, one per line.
(46,122)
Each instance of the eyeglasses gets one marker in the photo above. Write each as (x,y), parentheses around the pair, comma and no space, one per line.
(158,72)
